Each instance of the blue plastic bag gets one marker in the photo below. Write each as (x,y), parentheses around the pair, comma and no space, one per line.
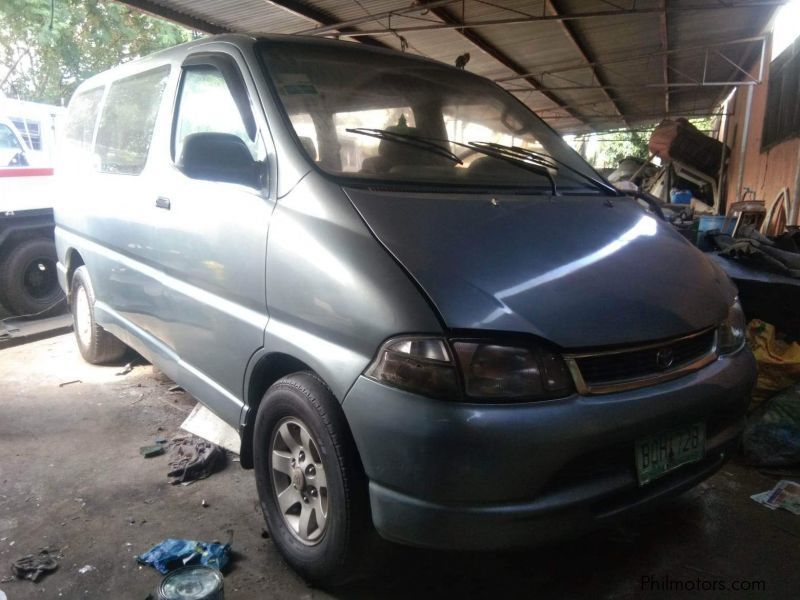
(172,554)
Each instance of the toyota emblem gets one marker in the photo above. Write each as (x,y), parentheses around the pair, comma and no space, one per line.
(664,358)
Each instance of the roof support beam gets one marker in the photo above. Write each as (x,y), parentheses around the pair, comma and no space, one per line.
(664,31)
(479,41)
(698,50)
(639,86)
(178,17)
(387,14)
(504,22)
(321,18)
(580,45)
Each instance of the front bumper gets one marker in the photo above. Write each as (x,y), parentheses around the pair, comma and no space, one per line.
(477,476)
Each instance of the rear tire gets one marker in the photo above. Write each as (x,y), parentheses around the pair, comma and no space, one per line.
(28,279)
(96,345)
(326,550)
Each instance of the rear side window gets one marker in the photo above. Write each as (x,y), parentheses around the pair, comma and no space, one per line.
(129,116)
(81,119)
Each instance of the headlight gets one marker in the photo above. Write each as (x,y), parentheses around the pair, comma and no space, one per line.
(492,371)
(731,333)
(419,365)
(489,371)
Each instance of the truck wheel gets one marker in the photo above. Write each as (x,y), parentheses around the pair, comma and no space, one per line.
(29,280)
(96,345)
(310,481)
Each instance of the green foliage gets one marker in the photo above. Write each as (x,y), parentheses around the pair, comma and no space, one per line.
(45,62)
(626,144)
(607,149)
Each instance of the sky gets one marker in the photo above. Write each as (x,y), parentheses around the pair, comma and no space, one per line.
(787,27)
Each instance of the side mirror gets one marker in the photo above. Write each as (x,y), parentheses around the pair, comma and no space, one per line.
(219,157)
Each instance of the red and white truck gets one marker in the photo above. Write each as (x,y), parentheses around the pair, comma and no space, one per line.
(28,281)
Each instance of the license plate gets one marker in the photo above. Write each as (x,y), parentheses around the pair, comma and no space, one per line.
(659,454)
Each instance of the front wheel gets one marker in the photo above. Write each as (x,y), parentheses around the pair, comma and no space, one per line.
(310,480)
(96,345)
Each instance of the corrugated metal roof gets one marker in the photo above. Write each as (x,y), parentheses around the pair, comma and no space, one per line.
(565,62)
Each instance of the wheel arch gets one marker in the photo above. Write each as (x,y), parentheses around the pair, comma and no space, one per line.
(74,260)
(266,370)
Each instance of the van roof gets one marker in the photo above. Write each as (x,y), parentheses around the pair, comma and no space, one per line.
(235,39)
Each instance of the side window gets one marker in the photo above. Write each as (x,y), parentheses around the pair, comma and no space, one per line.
(12,154)
(129,116)
(81,119)
(30,130)
(206,105)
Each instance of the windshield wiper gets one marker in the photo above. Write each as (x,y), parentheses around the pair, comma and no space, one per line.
(541,159)
(407,138)
(432,145)
(523,162)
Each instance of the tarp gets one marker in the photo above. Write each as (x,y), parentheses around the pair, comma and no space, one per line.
(778,361)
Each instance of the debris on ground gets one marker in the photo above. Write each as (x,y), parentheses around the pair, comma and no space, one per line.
(34,566)
(785,494)
(204,503)
(66,383)
(151,451)
(174,553)
(125,370)
(192,458)
(176,388)
(86,569)
(772,435)
(205,424)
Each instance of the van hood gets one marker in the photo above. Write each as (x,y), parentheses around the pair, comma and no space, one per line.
(577,271)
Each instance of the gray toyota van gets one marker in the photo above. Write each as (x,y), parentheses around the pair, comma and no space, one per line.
(425,314)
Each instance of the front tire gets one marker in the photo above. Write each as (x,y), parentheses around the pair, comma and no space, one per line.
(310,481)
(96,345)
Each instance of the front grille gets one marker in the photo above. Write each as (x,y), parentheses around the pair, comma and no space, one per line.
(599,371)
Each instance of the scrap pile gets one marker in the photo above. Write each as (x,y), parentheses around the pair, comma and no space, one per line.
(779,254)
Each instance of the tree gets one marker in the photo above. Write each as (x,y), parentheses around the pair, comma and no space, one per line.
(606,149)
(48,47)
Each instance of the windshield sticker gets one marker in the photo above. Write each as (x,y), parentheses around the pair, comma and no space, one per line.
(297,84)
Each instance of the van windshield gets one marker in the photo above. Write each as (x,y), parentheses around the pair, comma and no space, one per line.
(371,115)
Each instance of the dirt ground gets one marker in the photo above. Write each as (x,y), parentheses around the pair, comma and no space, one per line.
(72,479)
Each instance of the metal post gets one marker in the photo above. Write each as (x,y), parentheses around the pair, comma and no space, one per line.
(743,142)
(794,201)
(722,169)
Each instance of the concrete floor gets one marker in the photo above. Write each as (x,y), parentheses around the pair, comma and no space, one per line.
(71,478)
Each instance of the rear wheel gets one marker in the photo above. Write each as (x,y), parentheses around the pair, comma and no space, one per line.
(96,345)
(29,280)
(310,480)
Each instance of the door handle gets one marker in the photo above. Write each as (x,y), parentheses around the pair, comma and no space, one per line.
(164,203)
